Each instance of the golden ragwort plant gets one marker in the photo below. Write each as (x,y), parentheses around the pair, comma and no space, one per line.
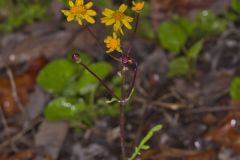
(85,15)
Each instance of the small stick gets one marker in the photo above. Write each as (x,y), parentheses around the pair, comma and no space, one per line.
(6,128)
(15,94)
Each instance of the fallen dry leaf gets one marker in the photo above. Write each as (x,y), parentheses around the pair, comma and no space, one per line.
(172,153)
(24,83)
(20,155)
(228,133)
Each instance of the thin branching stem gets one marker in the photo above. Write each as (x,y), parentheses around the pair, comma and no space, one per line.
(101,81)
(134,79)
(99,43)
(133,35)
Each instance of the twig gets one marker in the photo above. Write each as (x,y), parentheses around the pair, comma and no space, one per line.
(6,128)
(210,109)
(15,94)
(20,134)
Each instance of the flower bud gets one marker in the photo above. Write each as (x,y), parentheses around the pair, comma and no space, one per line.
(76,58)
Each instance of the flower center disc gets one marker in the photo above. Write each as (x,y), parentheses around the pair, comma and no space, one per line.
(139,6)
(118,16)
(113,43)
(78,10)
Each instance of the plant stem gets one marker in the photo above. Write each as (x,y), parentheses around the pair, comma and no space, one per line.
(101,81)
(133,35)
(122,115)
(99,43)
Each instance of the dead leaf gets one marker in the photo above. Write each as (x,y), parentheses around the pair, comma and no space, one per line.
(228,133)
(25,82)
(172,153)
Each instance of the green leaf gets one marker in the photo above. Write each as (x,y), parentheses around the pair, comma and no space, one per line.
(142,145)
(207,22)
(235,4)
(186,24)
(230,16)
(172,36)
(63,108)
(194,51)
(87,82)
(235,89)
(145,29)
(105,109)
(56,75)
(112,100)
(178,67)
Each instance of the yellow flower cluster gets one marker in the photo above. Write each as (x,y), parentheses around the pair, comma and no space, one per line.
(80,11)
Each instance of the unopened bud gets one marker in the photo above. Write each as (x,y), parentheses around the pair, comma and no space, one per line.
(76,58)
(126,60)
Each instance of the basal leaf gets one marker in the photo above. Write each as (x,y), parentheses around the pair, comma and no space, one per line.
(87,82)
(56,75)
(235,89)
(178,67)
(171,36)
(194,51)
(63,108)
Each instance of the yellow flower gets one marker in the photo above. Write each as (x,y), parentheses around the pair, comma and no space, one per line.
(137,6)
(117,18)
(113,43)
(80,11)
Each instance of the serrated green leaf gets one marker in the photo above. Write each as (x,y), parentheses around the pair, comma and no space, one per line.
(193,52)
(178,67)
(63,108)
(235,89)
(171,36)
(55,76)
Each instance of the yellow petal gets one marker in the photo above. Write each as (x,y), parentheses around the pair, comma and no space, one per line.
(79,2)
(80,22)
(122,8)
(107,12)
(66,12)
(110,22)
(89,5)
(117,26)
(121,31)
(129,19)
(91,13)
(119,49)
(89,19)
(70,18)
(70,3)
(114,35)
(133,2)
(126,24)
(105,20)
